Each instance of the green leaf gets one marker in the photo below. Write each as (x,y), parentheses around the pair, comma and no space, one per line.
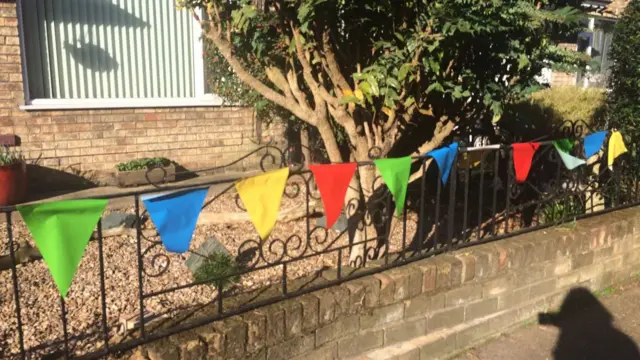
(349,99)
(402,73)
(435,87)
(523,61)
(394,83)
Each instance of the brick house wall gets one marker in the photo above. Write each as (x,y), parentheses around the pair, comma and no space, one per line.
(94,141)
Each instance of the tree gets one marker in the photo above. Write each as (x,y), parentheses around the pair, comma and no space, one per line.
(388,77)
(623,104)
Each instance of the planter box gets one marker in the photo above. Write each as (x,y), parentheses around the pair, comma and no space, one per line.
(145,177)
(13,184)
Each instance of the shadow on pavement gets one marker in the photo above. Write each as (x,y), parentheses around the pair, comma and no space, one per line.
(587,331)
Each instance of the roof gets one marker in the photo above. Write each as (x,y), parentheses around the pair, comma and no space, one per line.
(606,8)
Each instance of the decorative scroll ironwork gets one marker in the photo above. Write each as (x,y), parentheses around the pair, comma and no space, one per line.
(481,202)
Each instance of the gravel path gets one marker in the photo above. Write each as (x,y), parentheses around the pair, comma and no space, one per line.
(41,308)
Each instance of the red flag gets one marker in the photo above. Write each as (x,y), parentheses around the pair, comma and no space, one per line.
(333,181)
(522,157)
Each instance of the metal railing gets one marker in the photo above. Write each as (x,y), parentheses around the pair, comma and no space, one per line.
(480,203)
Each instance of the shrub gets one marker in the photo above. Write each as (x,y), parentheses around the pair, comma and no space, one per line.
(624,104)
(546,110)
(218,265)
(143,163)
(10,156)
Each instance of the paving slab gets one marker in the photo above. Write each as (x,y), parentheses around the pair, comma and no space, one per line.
(586,327)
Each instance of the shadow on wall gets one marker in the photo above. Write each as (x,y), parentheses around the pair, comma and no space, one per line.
(587,331)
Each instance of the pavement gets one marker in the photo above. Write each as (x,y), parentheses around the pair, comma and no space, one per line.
(587,327)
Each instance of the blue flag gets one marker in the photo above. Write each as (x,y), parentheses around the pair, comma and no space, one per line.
(593,143)
(445,157)
(175,216)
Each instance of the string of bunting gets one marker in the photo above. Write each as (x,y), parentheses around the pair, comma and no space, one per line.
(62,230)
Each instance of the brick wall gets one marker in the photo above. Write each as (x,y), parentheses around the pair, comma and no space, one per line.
(94,140)
(428,309)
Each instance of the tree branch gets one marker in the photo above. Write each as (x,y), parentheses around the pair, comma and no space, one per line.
(225,49)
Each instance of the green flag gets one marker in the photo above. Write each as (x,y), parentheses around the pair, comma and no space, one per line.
(62,231)
(395,173)
(565,145)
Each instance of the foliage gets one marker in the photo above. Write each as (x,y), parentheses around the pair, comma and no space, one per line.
(10,156)
(561,210)
(545,111)
(373,71)
(624,107)
(143,163)
(571,103)
(217,266)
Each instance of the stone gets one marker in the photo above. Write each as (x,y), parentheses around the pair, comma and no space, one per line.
(118,219)
(340,225)
(211,246)
(360,343)
(404,331)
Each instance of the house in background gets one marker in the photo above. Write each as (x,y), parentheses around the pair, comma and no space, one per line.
(87,84)
(602,16)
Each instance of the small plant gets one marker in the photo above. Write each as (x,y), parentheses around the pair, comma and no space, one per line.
(10,156)
(143,164)
(559,210)
(216,266)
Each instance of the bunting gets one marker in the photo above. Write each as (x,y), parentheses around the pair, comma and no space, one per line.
(593,143)
(261,195)
(563,147)
(522,157)
(395,173)
(616,148)
(333,183)
(445,157)
(175,216)
(62,231)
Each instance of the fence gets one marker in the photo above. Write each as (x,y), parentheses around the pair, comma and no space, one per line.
(128,291)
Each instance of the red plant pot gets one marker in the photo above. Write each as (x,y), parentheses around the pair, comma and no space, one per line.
(13,184)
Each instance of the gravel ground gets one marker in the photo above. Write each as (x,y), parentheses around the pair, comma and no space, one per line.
(41,308)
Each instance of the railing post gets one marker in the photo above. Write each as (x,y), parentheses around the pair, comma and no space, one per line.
(16,289)
(453,181)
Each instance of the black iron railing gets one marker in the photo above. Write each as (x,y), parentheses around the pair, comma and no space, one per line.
(481,202)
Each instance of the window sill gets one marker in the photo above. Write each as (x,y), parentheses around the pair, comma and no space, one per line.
(86,104)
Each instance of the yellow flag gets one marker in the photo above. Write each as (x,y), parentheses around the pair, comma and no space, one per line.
(616,147)
(261,195)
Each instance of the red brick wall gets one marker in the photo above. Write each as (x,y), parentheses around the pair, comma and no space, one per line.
(89,140)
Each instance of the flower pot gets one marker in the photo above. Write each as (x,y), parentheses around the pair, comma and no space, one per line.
(147,177)
(13,184)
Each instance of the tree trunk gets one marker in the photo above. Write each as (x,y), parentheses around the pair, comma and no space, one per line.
(304,144)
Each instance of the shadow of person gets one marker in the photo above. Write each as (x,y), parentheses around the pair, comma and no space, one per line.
(587,331)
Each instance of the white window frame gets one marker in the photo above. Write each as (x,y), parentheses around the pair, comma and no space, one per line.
(201,99)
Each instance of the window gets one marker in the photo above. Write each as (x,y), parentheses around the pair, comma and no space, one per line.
(111,51)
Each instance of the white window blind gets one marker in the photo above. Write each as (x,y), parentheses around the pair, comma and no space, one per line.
(108,49)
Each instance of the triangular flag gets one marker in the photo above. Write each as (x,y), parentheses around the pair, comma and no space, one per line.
(333,182)
(62,231)
(522,157)
(565,145)
(593,143)
(570,162)
(175,216)
(395,173)
(445,157)
(261,195)
(616,147)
